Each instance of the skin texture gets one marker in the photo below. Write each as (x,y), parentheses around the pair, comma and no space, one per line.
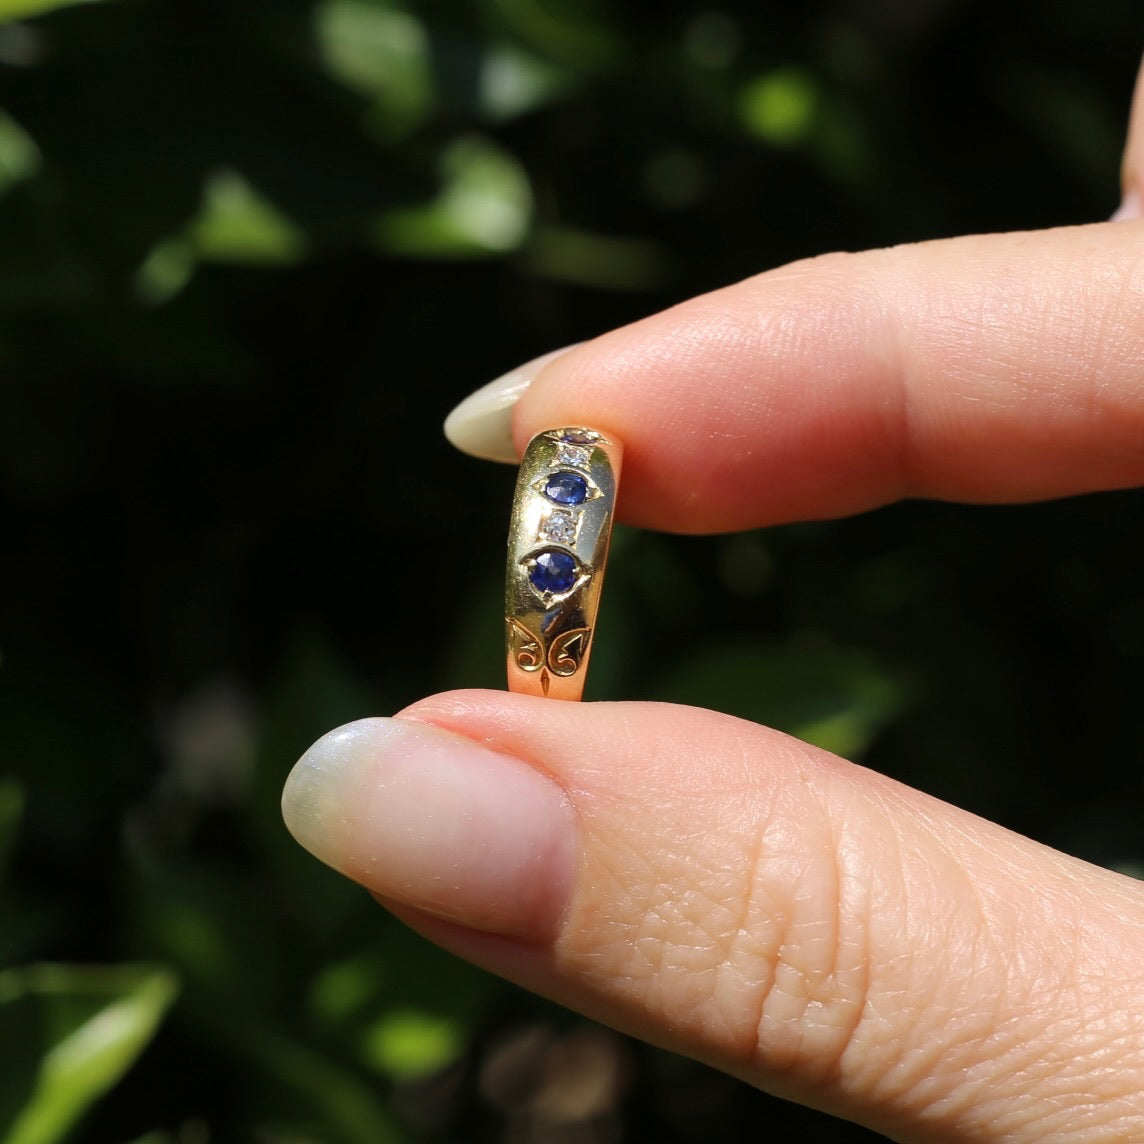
(822,931)
(714,886)
(999,368)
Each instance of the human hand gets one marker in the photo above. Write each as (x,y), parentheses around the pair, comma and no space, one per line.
(727,891)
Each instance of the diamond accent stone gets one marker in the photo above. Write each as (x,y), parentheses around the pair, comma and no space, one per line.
(558,526)
(577,456)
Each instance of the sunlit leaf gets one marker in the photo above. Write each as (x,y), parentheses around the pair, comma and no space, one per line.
(235,224)
(22,9)
(484,206)
(165,271)
(780,107)
(513,82)
(409,1043)
(74,1031)
(381,53)
(238,225)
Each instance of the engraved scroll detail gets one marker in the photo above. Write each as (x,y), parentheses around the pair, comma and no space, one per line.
(567,651)
(525,646)
(565,654)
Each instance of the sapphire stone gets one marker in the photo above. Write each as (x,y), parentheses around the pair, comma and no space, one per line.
(553,572)
(566,488)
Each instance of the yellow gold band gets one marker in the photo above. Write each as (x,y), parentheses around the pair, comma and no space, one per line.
(557,549)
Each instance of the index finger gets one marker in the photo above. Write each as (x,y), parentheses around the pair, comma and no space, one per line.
(996,368)
(1132,165)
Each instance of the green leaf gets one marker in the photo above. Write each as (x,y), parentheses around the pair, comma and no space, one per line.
(484,206)
(344,988)
(513,82)
(165,271)
(67,1035)
(19,155)
(237,224)
(409,1043)
(780,107)
(380,53)
(22,9)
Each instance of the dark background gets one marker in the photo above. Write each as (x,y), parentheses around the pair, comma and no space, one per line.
(250,255)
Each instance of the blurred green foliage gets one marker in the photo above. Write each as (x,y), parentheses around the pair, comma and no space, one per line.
(68,1034)
(250,254)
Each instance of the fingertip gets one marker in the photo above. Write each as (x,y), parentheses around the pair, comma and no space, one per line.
(1132,163)
(482,424)
(441,823)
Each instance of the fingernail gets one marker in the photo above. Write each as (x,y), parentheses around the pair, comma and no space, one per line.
(1130,207)
(482,423)
(433,820)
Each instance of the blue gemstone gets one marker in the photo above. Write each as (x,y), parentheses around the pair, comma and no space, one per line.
(566,488)
(553,572)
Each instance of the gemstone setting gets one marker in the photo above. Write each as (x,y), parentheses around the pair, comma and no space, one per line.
(566,488)
(580,436)
(575,456)
(553,572)
(559,526)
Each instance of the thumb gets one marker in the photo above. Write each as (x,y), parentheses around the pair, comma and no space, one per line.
(739,896)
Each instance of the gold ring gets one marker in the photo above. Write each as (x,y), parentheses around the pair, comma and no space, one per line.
(557,549)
